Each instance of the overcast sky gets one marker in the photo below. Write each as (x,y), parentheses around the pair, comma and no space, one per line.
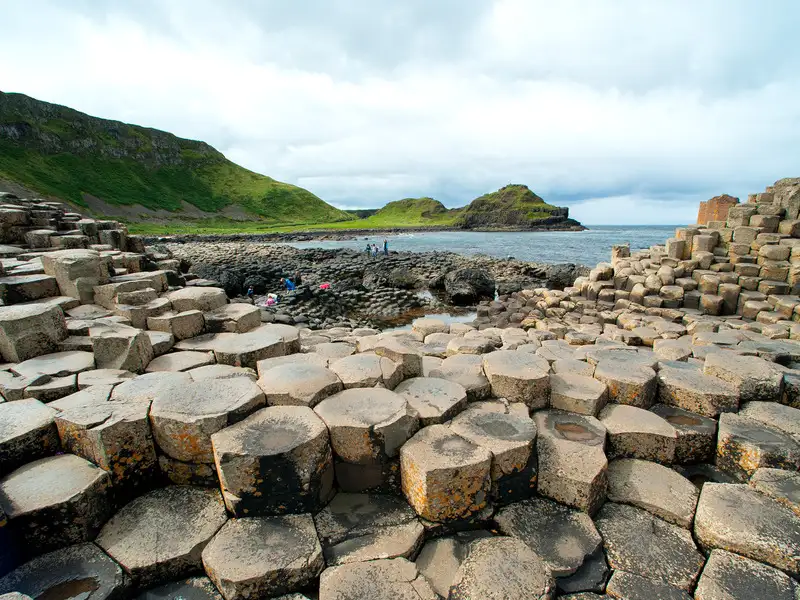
(628,111)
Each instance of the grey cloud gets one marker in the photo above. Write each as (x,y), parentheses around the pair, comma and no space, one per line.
(367,101)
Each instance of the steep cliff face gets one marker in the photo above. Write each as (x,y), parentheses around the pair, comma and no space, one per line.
(67,154)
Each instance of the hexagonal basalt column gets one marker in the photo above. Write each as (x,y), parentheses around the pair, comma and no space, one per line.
(501,567)
(55,502)
(744,445)
(445,477)
(386,578)
(638,433)
(435,400)
(193,588)
(519,377)
(466,370)
(753,377)
(359,527)
(182,325)
(246,349)
(572,464)
(276,461)
(511,439)
(57,364)
(629,382)
(403,354)
(298,384)
(637,542)
(121,347)
(691,390)
(725,571)
(77,272)
(197,298)
(577,393)
(27,432)
(739,519)
(82,570)
(180,361)
(697,435)
(367,428)
(653,487)
(363,370)
(28,330)
(259,557)
(113,435)
(544,526)
(235,318)
(159,537)
(185,415)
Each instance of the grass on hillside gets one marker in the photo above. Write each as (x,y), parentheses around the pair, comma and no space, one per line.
(208,185)
(411,212)
(407,213)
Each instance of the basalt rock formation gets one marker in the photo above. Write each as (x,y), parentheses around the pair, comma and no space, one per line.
(158,440)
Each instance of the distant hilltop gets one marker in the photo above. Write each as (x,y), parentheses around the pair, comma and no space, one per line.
(512,207)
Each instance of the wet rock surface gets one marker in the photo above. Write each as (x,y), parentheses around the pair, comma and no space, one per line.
(82,570)
(631,434)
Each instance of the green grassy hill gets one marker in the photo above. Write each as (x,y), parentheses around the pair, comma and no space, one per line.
(511,206)
(412,212)
(66,154)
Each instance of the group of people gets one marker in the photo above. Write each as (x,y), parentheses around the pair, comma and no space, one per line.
(289,284)
(372,249)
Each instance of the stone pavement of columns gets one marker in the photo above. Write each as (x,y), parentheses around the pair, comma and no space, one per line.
(611,440)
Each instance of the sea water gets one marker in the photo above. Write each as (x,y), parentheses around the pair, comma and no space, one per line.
(580,247)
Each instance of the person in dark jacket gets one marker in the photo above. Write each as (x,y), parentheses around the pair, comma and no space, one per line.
(386,247)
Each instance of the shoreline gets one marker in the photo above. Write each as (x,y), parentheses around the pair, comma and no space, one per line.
(364,290)
(334,234)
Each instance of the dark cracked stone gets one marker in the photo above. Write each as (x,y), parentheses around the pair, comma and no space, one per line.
(358,527)
(160,536)
(728,576)
(55,502)
(258,557)
(637,542)
(591,576)
(738,519)
(194,588)
(629,586)
(81,571)
(562,537)
(499,568)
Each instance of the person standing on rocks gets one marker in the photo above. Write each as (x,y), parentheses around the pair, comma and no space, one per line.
(250,292)
(374,250)
(369,250)
(386,247)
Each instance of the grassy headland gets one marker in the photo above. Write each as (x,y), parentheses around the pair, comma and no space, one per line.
(65,154)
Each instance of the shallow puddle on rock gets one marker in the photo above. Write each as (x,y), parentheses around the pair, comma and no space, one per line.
(574,432)
(683,420)
(77,589)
